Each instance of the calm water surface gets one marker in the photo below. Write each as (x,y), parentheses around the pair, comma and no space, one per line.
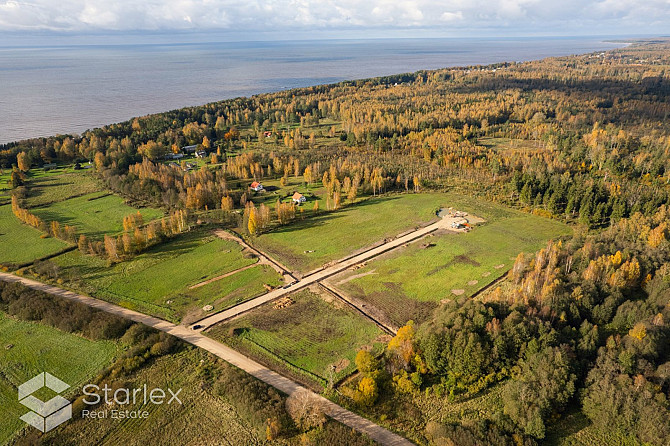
(46,90)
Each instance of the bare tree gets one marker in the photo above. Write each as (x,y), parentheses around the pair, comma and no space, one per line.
(305,409)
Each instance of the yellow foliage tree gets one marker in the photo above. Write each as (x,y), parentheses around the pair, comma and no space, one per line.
(367,392)
(656,236)
(639,331)
(402,344)
(23,161)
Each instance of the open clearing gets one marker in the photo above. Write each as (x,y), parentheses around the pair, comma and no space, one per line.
(59,185)
(508,144)
(309,244)
(274,191)
(202,416)
(158,281)
(410,282)
(93,214)
(310,334)
(20,243)
(36,348)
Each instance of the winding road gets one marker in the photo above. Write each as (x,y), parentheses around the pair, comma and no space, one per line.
(274,379)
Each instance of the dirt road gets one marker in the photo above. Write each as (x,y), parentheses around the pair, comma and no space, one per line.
(203,324)
(344,416)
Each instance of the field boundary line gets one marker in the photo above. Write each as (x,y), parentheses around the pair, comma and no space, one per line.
(270,377)
(342,298)
(332,270)
(223,276)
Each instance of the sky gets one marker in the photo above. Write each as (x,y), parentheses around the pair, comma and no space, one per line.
(253,19)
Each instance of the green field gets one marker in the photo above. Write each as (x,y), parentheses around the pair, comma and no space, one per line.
(203,418)
(274,191)
(229,291)
(409,282)
(311,334)
(29,348)
(334,235)
(58,185)
(5,185)
(93,214)
(157,281)
(20,243)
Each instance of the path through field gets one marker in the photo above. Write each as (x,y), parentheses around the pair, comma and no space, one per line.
(285,385)
(316,277)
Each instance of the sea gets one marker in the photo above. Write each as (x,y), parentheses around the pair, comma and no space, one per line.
(48,88)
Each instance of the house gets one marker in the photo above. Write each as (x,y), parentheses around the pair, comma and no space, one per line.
(298,198)
(173,156)
(200,154)
(256,186)
(190,149)
(267,134)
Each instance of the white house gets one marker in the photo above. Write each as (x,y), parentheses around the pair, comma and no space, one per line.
(298,198)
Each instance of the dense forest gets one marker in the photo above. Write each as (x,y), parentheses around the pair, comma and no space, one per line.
(582,325)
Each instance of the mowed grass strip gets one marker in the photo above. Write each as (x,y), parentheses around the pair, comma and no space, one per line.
(227,292)
(20,243)
(311,334)
(29,348)
(408,283)
(94,214)
(161,274)
(58,186)
(308,244)
(5,185)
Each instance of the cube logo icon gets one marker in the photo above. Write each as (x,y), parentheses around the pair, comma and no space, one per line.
(45,415)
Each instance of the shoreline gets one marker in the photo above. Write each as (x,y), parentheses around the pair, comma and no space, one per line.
(75,129)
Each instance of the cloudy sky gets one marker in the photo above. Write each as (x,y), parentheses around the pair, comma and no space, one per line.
(341,18)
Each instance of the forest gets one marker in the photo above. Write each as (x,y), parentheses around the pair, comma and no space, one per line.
(580,327)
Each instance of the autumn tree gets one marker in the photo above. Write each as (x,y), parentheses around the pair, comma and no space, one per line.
(23,161)
(152,150)
(305,409)
(401,346)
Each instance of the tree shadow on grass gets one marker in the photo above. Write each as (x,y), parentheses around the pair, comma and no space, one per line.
(329,216)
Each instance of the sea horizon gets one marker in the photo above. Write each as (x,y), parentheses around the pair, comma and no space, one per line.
(57,88)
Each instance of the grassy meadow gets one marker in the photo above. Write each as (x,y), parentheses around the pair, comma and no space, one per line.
(203,418)
(311,334)
(20,243)
(93,215)
(229,291)
(5,185)
(308,244)
(59,185)
(409,282)
(158,280)
(29,348)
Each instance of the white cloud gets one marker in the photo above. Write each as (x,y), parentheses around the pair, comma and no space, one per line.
(451,16)
(286,15)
